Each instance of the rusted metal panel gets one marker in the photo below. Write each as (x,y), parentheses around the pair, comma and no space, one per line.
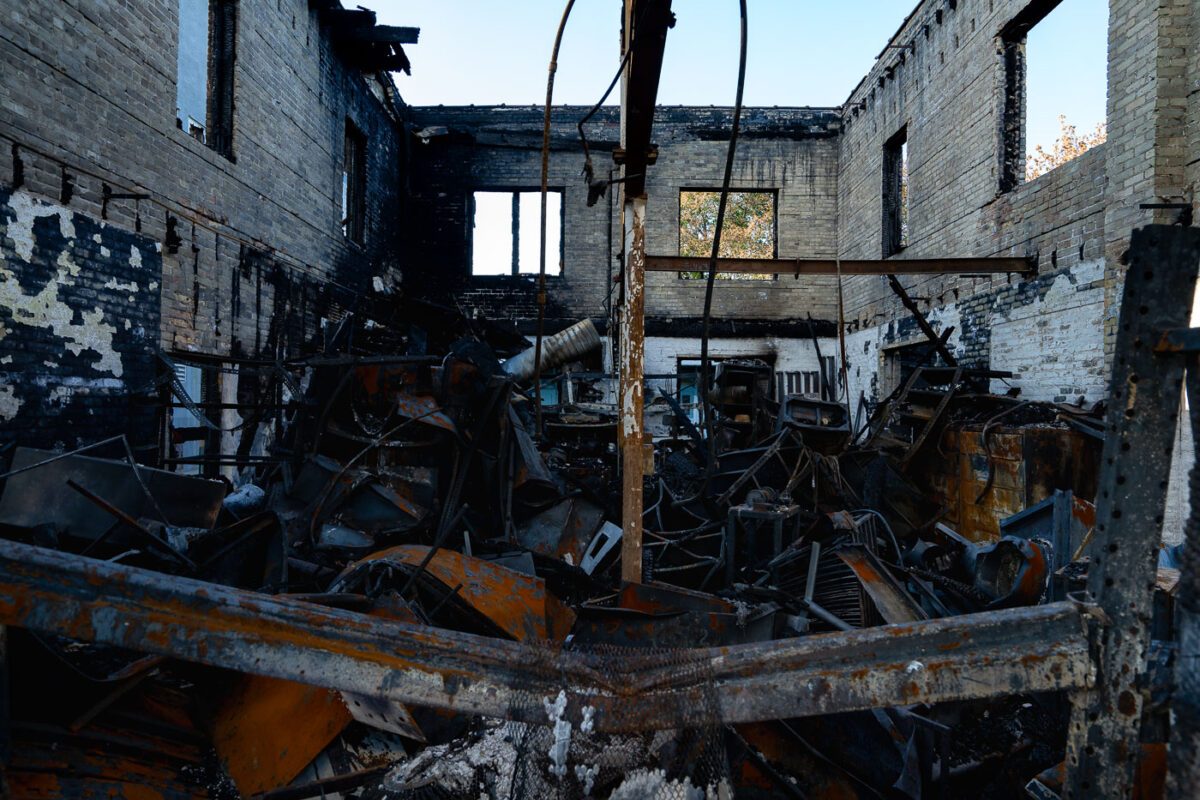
(518,604)
(267,730)
(1141,423)
(100,763)
(982,484)
(1060,459)
(973,656)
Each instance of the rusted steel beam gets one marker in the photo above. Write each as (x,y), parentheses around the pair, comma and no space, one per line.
(982,655)
(1179,340)
(828,266)
(645,29)
(1144,395)
(632,354)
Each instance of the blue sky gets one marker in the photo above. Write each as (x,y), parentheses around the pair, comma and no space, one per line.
(802,52)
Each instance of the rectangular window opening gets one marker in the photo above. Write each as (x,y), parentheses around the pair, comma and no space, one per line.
(354,179)
(748,229)
(205,71)
(895,193)
(1055,57)
(506,232)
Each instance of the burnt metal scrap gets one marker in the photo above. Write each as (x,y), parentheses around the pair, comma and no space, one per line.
(828,606)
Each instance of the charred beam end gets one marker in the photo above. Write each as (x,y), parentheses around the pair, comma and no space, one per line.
(1184,341)
(981,655)
(829,266)
(650,20)
(384,34)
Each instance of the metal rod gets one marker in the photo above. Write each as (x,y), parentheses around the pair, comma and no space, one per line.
(830,266)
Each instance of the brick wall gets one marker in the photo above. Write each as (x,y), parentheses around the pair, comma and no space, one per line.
(79,314)
(948,89)
(248,251)
(792,151)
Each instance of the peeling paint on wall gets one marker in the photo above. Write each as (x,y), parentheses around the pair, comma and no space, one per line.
(77,298)
(10,404)
(44,309)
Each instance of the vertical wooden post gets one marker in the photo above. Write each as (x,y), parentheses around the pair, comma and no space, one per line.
(632,353)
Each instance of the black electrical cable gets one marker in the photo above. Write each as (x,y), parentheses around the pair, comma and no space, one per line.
(705,366)
(541,296)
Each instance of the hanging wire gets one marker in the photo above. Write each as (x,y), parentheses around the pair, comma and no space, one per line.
(705,366)
(541,296)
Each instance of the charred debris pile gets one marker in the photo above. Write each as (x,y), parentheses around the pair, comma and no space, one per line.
(410,482)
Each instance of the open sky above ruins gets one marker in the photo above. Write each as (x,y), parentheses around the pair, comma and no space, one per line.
(801,53)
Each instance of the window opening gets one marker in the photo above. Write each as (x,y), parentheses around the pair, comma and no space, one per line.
(354,179)
(506,232)
(204,71)
(749,229)
(191,84)
(1056,86)
(895,193)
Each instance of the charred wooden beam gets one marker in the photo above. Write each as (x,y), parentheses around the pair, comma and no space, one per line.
(938,343)
(1043,648)
(383,34)
(829,266)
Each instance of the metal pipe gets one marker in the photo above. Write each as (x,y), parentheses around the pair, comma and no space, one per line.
(561,348)
(633,353)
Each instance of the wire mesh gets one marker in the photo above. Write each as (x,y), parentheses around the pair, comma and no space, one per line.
(570,760)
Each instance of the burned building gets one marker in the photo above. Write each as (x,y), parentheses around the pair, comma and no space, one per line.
(320,479)
(228,195)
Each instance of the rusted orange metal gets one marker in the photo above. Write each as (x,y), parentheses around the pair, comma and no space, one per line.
(519,604)
(102,763)
(983,483)
(268,730)
(958,658)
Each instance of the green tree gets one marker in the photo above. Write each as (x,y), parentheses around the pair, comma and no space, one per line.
(1068,145)
(748,230)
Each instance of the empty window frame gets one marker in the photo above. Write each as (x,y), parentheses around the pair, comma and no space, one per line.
(895,193)
(204,71)
(354,184)
(506,232)
(1055,59)
(189,438)
(748,230)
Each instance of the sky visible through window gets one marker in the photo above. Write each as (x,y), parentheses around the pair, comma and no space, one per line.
(1066,71)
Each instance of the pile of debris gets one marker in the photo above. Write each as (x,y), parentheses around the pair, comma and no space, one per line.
(418,488)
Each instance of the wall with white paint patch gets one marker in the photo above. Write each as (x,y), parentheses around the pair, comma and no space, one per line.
(79,321)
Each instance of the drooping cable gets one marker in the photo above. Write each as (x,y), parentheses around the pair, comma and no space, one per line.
(705,366)
(541,296)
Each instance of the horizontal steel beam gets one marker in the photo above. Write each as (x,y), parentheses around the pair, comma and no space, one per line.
(1179,340)
(828,266)
(982,655)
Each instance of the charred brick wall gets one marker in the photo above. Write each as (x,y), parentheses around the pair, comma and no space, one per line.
(946,80)
(79,317)
(790,151)
(246,251)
